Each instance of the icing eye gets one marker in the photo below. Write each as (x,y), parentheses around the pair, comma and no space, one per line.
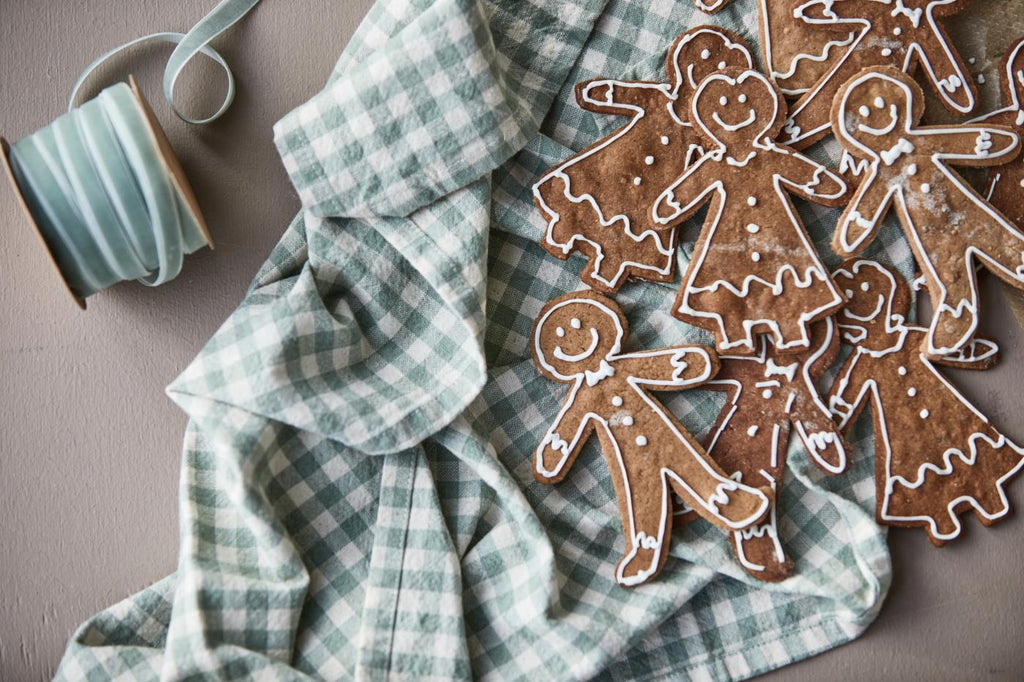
(559,332)
(849,293)
(865,286)
(575,323)
(705,54)
(879,103)
(864,111)
(721,65)
(724,100)
(743,99)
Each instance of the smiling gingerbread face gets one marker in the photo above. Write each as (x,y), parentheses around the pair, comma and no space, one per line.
(575,334)
(875,295)
(875,110)
(736,108)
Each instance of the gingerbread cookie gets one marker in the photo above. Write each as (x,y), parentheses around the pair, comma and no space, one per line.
(935,454)
(598,201)
(797,54)
(1005,188)
(894,33)
(754,269)
(950,227)
(768,394)
(578,341)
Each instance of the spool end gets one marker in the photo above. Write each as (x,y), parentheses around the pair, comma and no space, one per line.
(32,221)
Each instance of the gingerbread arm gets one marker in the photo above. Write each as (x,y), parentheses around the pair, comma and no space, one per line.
(848,393)
(687,194)
(562,443)
(669,369)
(622,98)
(863,217)
(944,69)
(809,179)
(828,14)
(969,145)
(820,434)
(979,354)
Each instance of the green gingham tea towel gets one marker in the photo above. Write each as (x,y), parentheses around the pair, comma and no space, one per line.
(356,493)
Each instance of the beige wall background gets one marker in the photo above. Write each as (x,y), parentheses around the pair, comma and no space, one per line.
(90,445)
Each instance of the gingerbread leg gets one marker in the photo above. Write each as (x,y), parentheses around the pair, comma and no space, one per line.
(647,526)
(713,496)
(956,314)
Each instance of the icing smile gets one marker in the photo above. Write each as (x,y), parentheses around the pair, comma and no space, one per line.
(735,126)
(894,113)
(867,318)
(562,355)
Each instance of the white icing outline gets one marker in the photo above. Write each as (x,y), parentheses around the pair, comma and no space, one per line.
(895,325)
(915,54)
(724,485)
(897,197)
(671,91)
(815,273)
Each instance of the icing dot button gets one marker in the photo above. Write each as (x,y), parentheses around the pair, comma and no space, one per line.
(896,31)
(902,371)
(641,441)
(649,160)
(767,394)
(753,229)
(755,256)
(887,52)
(924,414)
(912,391)
(752,431)
(664,139)
(627,421)
(617,401)
(926,188)
(912,169)
(637,180)
(751,201)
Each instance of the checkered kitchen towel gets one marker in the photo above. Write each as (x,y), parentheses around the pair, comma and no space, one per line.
(356,492)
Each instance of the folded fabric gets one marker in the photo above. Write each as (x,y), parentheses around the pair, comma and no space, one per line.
(356,494)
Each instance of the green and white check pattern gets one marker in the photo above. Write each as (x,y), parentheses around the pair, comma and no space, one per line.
(356,494)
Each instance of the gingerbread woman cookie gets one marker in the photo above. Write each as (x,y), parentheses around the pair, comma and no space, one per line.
(578,341)
(897,33)
(768,394)
(950,227)
(1005,188)
(598,201)
(754,269)
(935,454)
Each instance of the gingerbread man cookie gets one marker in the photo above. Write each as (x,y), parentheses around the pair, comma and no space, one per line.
(578,341)
(754,269)
(598,201)
(935,454)
(768,394)
(897,33)
(950,227)
(1005,188)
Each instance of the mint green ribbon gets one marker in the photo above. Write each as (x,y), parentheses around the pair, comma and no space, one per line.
(96,182)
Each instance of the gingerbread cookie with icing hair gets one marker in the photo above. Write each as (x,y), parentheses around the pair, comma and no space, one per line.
(598,202)
(950,227)
(936,456)
(769,394)
(754,269)
(1005,187)
(578,341)
(903,34)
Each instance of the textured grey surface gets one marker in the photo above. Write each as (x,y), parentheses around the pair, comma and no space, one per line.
(89,444)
